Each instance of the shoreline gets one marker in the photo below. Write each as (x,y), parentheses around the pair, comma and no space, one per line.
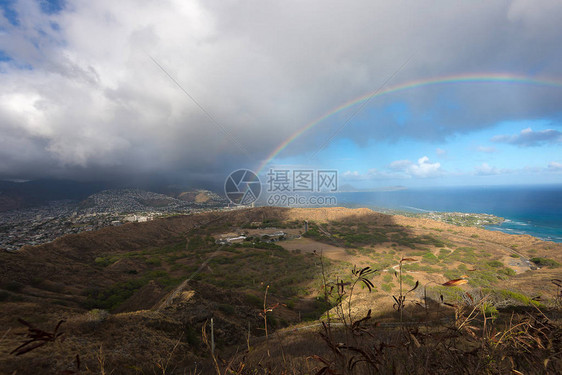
(480,220)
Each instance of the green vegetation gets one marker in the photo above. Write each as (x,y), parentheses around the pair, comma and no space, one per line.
(387,287)
(443,253)
(408,280)
(105,261)
(13,286)
(112,297)
(313,232)
(490,310)
(404,239)
(274,223)
(258,245)
(319,309)
(153,261)
(545,262)
(4,295)
(495,263)
(451,294)
(508,271)
(254,300)
(263,263)
(430,258)
(471,261)
(504,294)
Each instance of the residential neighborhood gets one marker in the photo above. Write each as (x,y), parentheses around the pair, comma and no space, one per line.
(38,225)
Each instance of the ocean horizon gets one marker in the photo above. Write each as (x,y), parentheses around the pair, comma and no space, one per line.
(533,210)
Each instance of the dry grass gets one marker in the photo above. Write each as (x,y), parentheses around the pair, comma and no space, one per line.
(459,334)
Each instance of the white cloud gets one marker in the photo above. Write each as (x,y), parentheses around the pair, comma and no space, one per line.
(425,169)
(351,174)
(440,152)
(486,170)
(486,149)
(555,166)
(371,174)
(422,169)
(400,164)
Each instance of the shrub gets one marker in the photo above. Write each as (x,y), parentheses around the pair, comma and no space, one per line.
(153,261)
(290,304)
(545,262)
(254,300)
(430,258)
(36,282)
(452,274)
(4,295)
(490,310)
(508,271)
(97,315)
(104,261)
(387,287)
(113,296)
(14,286)
(519,297)
(451,294)
(462,267)
(226,308)
(495,263)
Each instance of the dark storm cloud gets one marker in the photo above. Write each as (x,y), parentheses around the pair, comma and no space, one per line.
(82,97)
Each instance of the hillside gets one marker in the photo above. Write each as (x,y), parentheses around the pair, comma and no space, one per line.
(136,297)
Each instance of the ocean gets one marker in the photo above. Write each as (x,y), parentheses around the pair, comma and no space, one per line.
(533,210)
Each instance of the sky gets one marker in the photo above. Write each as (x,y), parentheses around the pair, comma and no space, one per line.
(408,93)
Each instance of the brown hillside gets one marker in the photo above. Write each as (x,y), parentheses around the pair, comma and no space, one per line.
(141,289)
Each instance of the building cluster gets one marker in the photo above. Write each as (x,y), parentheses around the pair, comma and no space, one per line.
(464,219)
(132,201)
(230,238)
(38,225)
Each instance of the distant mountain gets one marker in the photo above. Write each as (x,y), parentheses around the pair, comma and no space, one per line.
(200,196)
(16,195)
(347,188)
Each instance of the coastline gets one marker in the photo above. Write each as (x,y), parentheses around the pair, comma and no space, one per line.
(516,227)
(477,220)
(530,210)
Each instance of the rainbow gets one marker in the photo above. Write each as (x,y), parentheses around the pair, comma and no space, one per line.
(454,79)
